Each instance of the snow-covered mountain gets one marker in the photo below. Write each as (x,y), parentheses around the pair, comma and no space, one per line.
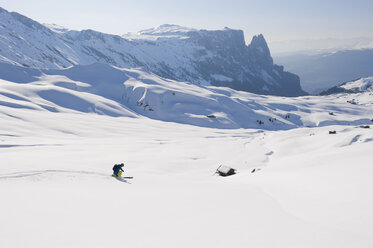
(319,72)
(62,129)
(357,86)
(219,58)
(106,90)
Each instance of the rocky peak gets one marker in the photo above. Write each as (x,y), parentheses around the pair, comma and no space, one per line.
(258,42)
(259,51)
(226,42)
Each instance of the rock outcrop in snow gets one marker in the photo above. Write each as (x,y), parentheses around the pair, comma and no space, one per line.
(219,58)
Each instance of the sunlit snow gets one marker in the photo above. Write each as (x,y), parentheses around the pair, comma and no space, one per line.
(61,133)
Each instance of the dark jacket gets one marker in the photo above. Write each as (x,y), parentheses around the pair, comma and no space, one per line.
(117,168)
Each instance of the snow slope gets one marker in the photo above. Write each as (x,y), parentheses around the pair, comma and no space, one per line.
(169,51)
(360,85)
(62,130)
(356,86)
(310,189)
(163,31)
(108,90)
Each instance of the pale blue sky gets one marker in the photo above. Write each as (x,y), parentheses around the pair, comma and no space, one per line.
(277,20)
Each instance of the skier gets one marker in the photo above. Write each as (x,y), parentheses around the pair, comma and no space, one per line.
(117,170)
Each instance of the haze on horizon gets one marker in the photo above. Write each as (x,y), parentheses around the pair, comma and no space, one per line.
(281,22)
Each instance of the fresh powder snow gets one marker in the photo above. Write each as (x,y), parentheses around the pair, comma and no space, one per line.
(296,185)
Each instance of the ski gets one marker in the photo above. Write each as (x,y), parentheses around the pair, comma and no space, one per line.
(122,177)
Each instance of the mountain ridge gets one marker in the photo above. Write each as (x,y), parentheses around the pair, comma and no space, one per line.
(199,56)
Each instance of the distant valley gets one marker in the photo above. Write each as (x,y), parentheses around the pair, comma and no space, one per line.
(320,72)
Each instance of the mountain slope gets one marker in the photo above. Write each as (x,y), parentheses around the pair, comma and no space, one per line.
(219,58)
(308,189)
(357,86)
(107,90)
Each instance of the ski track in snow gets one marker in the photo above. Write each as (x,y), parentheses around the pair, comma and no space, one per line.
(37,173)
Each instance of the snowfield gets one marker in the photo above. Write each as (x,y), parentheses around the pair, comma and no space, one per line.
(363,84)
(62,131)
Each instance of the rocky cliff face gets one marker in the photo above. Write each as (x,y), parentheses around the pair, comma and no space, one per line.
(219,58)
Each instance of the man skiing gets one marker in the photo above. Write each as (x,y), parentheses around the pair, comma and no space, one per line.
(117,170)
